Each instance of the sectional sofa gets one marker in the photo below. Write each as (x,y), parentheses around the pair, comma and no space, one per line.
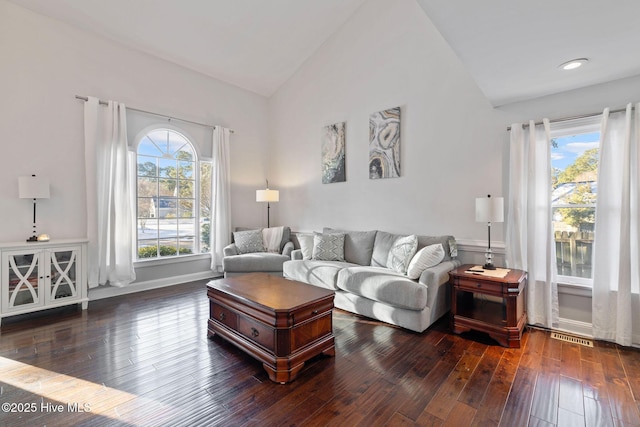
(398,279)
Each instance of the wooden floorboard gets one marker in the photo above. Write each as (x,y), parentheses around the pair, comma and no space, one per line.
(145,360)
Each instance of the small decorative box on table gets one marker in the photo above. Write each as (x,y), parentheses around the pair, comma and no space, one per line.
(281,322)
(491,301)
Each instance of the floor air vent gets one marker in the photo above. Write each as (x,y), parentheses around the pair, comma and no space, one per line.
(571,339)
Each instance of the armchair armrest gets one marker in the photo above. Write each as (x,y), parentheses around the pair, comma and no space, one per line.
(229,250)
(296,254)
(288,248)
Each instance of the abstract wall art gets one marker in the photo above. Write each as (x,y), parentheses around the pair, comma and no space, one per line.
(333,153)
(384,144)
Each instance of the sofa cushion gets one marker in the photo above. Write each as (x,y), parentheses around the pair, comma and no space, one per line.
(425,258)
(448,244)
(286,235)
(383,285)
(358,245)
(249,241)
(319,273)
(257,261)
(328,247)
(381,247)
(401,253)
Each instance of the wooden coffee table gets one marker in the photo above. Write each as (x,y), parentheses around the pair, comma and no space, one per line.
(281,322)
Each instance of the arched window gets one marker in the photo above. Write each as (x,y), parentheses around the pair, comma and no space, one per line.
(170,186)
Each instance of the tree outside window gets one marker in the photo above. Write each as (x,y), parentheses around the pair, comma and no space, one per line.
(575,185)
(170,190)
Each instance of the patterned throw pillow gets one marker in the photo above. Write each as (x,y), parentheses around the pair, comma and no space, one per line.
(453,248)
(328,247)
(403,249)
(425,258)
(249,241)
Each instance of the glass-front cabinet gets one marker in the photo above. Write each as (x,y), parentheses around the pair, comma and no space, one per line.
(22,283)
(42,275)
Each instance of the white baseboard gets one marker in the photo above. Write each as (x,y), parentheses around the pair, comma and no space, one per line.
(112,291)
(575,327)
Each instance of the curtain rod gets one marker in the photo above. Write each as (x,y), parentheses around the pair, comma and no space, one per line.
(566,119)
(101,102)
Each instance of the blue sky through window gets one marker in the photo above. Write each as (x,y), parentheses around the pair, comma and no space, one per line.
(571,147)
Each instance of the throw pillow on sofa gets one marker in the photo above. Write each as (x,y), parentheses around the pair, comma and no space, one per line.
(328,247)
(425,258)
(306,245)
(249,241)
(401,253)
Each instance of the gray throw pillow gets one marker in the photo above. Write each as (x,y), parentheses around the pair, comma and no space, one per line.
(249,241)
(328,247)
(401,253)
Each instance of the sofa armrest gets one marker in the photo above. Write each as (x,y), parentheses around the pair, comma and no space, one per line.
(296,254)
(229,250)
(288,248)
(438,274)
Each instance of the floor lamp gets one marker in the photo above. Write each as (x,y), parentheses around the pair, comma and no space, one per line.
(31,187)
(268,196)
(489,210)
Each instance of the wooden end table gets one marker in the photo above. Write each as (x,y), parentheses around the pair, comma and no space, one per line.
(503,317)
(281,322)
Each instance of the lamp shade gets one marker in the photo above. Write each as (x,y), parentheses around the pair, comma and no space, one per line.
(32,187)
(490,209)
(267,195)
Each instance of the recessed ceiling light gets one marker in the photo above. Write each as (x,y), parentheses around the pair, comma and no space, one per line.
(573,64)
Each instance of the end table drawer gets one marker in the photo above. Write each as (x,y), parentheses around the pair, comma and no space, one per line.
(257,332)
(224,315)
(477,285)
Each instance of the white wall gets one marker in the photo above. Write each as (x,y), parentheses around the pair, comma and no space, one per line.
(387,55)
(454,144)
(44,64)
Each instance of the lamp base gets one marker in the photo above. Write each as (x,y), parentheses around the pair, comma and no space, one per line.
(489,266)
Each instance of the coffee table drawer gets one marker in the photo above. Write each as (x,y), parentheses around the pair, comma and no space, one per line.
(224,315)
(257,332)
(307,313)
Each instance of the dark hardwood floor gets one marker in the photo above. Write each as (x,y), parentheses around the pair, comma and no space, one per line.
(145,360)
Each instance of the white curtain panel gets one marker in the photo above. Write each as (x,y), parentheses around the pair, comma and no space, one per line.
(110,195)
(529,238)
(616,276)
(220,197)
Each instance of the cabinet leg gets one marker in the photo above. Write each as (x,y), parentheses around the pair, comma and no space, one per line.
(85,305)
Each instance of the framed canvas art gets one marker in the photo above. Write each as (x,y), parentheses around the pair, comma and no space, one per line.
(333,153)
(384,144)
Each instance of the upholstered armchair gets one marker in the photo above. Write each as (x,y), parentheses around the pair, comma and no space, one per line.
(253,250)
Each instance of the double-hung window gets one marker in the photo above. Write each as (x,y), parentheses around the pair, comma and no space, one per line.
(574,161)
(173,204)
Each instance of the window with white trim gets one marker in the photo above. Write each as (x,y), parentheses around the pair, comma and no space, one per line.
(574,162)
(173,202)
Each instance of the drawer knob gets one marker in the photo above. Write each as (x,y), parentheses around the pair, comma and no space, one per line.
(315,312)
(479,285)
(222,316)
(254,332)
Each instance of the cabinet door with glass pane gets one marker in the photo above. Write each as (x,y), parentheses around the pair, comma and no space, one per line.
(63,273)
(22,280)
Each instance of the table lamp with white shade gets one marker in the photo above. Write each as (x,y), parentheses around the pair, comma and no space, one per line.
(32,187)
(489,209)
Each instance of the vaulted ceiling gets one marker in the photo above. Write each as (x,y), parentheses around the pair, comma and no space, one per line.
(511,48)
